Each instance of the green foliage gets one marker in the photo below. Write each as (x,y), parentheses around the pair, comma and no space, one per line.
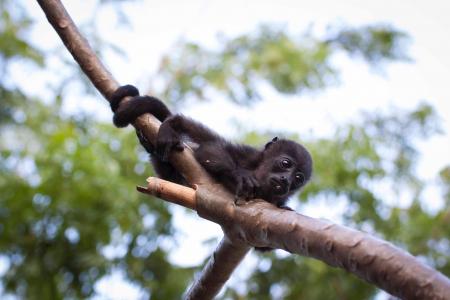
(373,43)
(69,213)
(445,179)
(12,28)
(304,273)
(67,195)
(378,152)
(289,64)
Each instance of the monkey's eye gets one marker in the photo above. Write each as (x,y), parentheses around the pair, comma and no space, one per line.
(286,163)
(299,178)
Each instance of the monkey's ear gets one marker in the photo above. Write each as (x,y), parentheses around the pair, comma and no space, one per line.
(271,142)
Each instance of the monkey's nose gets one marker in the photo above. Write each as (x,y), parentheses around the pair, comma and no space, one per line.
(280,185)
(284,182)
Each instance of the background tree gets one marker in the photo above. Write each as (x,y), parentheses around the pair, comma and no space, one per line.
(64,224)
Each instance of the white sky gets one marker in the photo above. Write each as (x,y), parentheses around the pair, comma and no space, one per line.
(157,25)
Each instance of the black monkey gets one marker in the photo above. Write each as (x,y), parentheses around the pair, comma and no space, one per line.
(273,173)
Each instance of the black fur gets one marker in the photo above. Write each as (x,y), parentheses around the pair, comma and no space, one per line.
(273,173)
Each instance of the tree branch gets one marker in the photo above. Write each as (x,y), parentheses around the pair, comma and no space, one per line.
(169,191)
(148,125)
(258,223)
(106,84)
(216,273)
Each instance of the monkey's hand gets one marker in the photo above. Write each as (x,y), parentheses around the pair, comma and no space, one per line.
(246,184)
(168,140)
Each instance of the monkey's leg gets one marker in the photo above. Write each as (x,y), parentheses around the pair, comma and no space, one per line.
(163,168)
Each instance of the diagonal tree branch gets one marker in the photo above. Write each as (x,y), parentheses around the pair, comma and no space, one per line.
(215,273)
(226,256)
(259,224)
(106,84)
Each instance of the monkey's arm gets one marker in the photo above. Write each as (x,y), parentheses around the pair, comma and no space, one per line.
(197,132)
(174,128)
(231,165)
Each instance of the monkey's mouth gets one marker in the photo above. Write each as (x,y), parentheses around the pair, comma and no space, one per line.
(278,188)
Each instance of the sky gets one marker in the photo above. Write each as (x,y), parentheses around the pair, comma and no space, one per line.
(157,25)
(155,28)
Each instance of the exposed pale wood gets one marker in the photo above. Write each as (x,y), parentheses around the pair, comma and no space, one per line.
(175,193)
(184,161)
(259,223)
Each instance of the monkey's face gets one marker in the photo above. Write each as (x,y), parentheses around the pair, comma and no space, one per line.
(285,168)
(279,177)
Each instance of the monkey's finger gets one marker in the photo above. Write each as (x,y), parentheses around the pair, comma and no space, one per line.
(238,188)
(236,197)
(166,153)
(248,188)
(178,147)
(161,150)
(255,187)
(252,186)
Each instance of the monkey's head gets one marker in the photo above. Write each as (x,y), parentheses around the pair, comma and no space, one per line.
(286,166)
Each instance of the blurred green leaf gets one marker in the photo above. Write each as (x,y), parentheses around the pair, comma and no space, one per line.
(290,64)
(69,213)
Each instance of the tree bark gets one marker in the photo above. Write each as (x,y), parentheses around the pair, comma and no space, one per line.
(216,273)
(184,162)
(259,223)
